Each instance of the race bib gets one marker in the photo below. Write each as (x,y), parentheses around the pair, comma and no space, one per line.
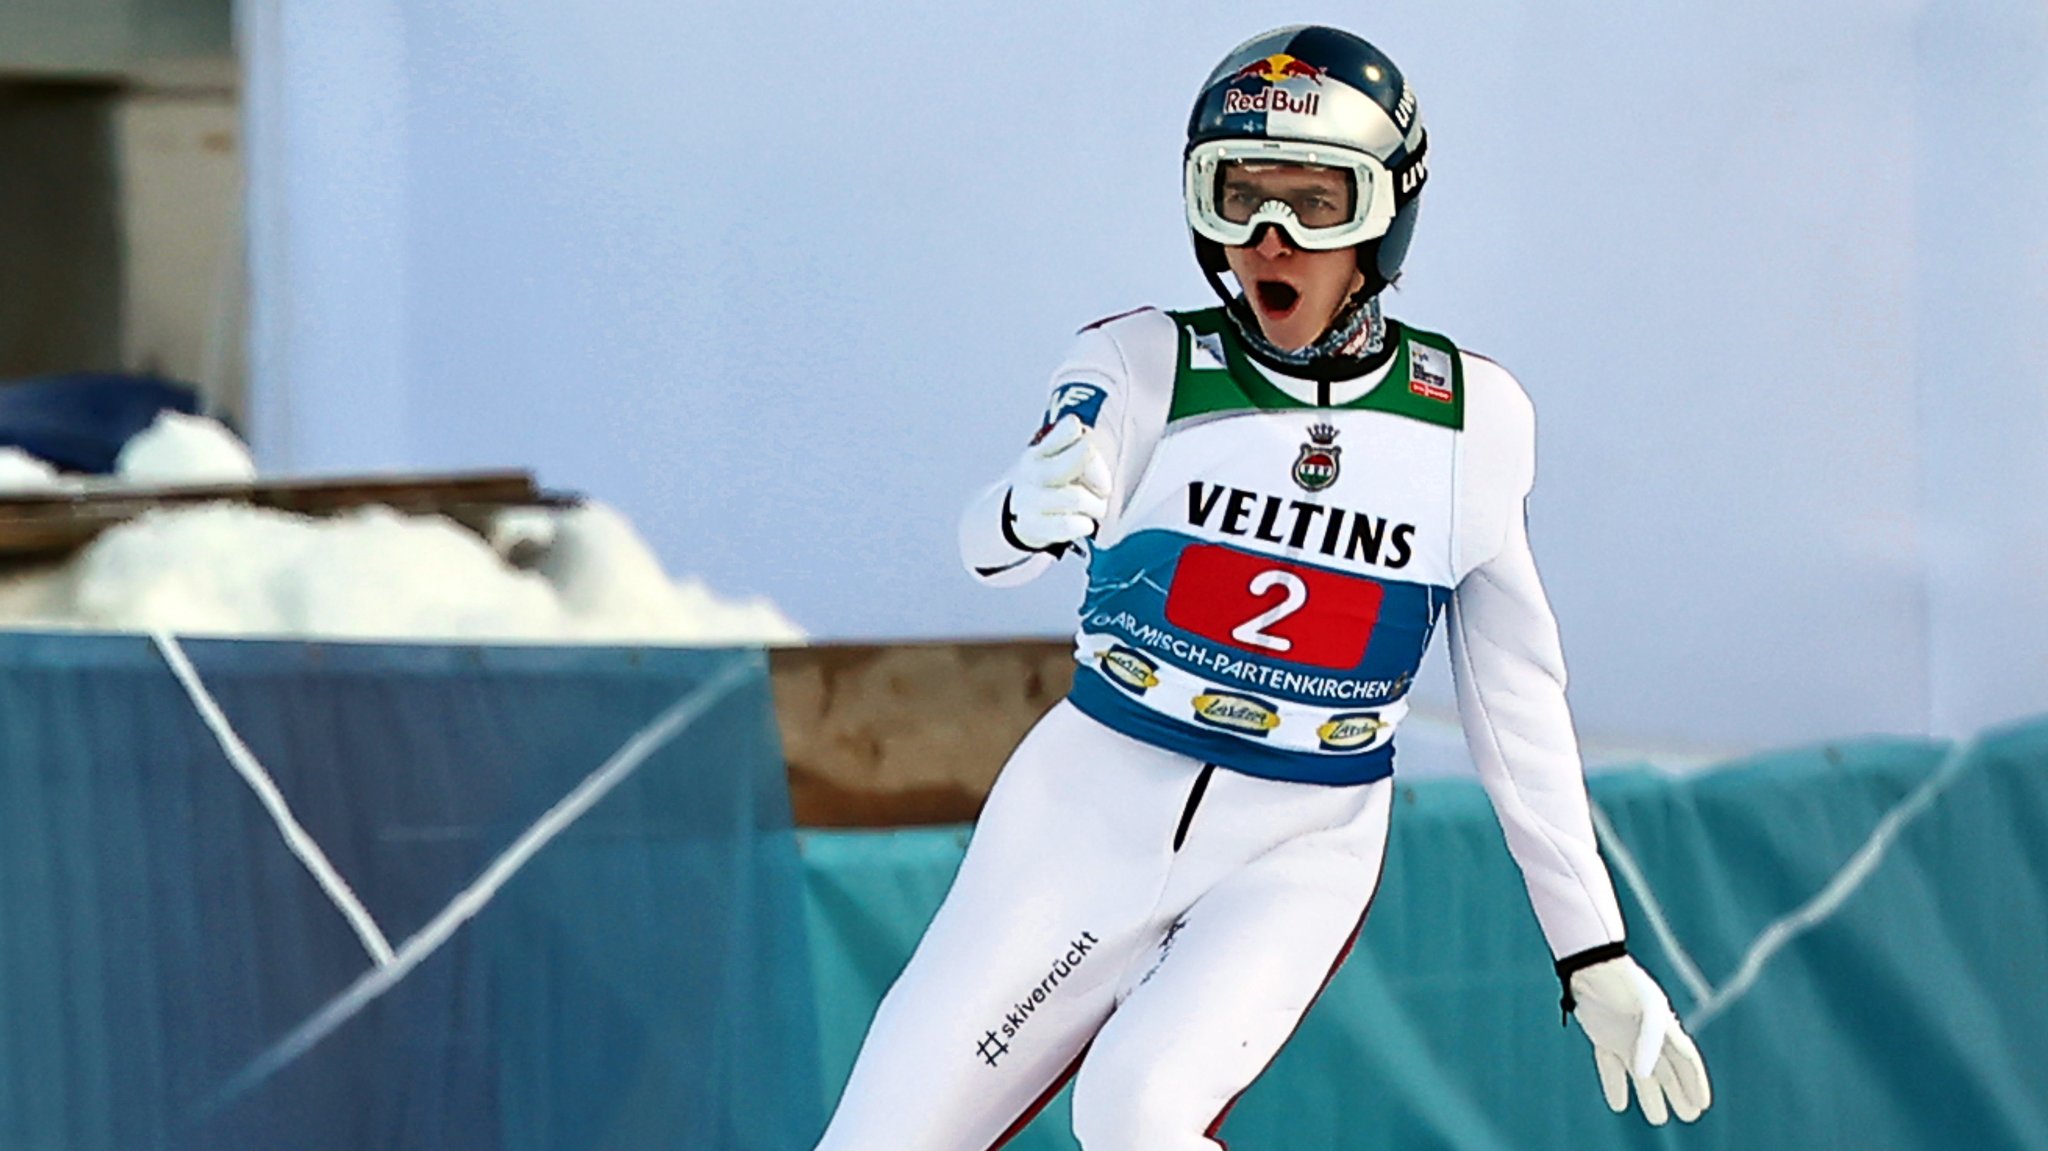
(1277,609)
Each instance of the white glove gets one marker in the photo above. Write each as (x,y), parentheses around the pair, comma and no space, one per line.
(1059,490)
(1637,1038)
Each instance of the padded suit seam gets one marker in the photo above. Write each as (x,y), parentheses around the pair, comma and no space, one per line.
(1166,875)
(1507,772)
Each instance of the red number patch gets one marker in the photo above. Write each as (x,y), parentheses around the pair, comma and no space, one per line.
(1263,605)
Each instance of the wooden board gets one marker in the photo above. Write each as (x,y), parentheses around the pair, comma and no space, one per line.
(910,733)
(50,525)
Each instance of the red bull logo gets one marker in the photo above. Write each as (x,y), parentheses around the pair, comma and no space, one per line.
(1278,69)
(1274,70)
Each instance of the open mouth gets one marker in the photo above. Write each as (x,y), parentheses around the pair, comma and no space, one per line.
(1276,298)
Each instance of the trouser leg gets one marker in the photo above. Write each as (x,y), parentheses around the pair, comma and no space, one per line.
(1022,962)
(1229,986)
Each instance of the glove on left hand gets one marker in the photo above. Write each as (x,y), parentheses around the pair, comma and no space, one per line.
(1637,1038)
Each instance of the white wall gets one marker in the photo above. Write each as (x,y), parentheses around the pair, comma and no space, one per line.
(783,280)
(1981,328)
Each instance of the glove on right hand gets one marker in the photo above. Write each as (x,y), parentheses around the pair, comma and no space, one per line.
(1059,489)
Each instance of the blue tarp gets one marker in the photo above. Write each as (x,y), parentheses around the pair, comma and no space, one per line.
(81,421)
(640,982)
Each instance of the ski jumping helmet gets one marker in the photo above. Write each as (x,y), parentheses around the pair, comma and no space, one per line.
(1309,95)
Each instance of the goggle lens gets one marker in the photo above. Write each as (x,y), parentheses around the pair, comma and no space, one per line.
(1319,196)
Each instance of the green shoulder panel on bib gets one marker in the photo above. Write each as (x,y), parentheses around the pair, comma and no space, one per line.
(1427,381)
(1212,373)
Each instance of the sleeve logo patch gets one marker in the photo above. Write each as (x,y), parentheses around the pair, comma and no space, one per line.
(1077,398)
(1234,712)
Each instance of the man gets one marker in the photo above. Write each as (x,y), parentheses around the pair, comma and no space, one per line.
(1279,499)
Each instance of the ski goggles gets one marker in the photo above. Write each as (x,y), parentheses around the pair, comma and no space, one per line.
(1321,195)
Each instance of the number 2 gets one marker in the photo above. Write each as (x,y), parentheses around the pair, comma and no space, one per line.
(1264,605)
(1294,598)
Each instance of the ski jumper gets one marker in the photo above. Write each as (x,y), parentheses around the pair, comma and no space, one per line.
(1175,860)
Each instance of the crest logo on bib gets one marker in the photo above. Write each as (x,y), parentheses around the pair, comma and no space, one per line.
(1316,467)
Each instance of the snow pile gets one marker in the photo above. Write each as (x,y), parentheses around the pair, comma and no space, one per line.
(182,449)
(576,575)
(24,474)
(228,569)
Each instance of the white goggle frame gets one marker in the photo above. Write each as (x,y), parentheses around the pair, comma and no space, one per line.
(1372,206)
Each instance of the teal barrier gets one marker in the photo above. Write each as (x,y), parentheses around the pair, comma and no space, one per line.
(1911,1016)
(667,972)
(638,980)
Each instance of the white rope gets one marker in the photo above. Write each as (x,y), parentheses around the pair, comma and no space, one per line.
(1660,924)
(472,899)
(259,781)
(1838,890)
